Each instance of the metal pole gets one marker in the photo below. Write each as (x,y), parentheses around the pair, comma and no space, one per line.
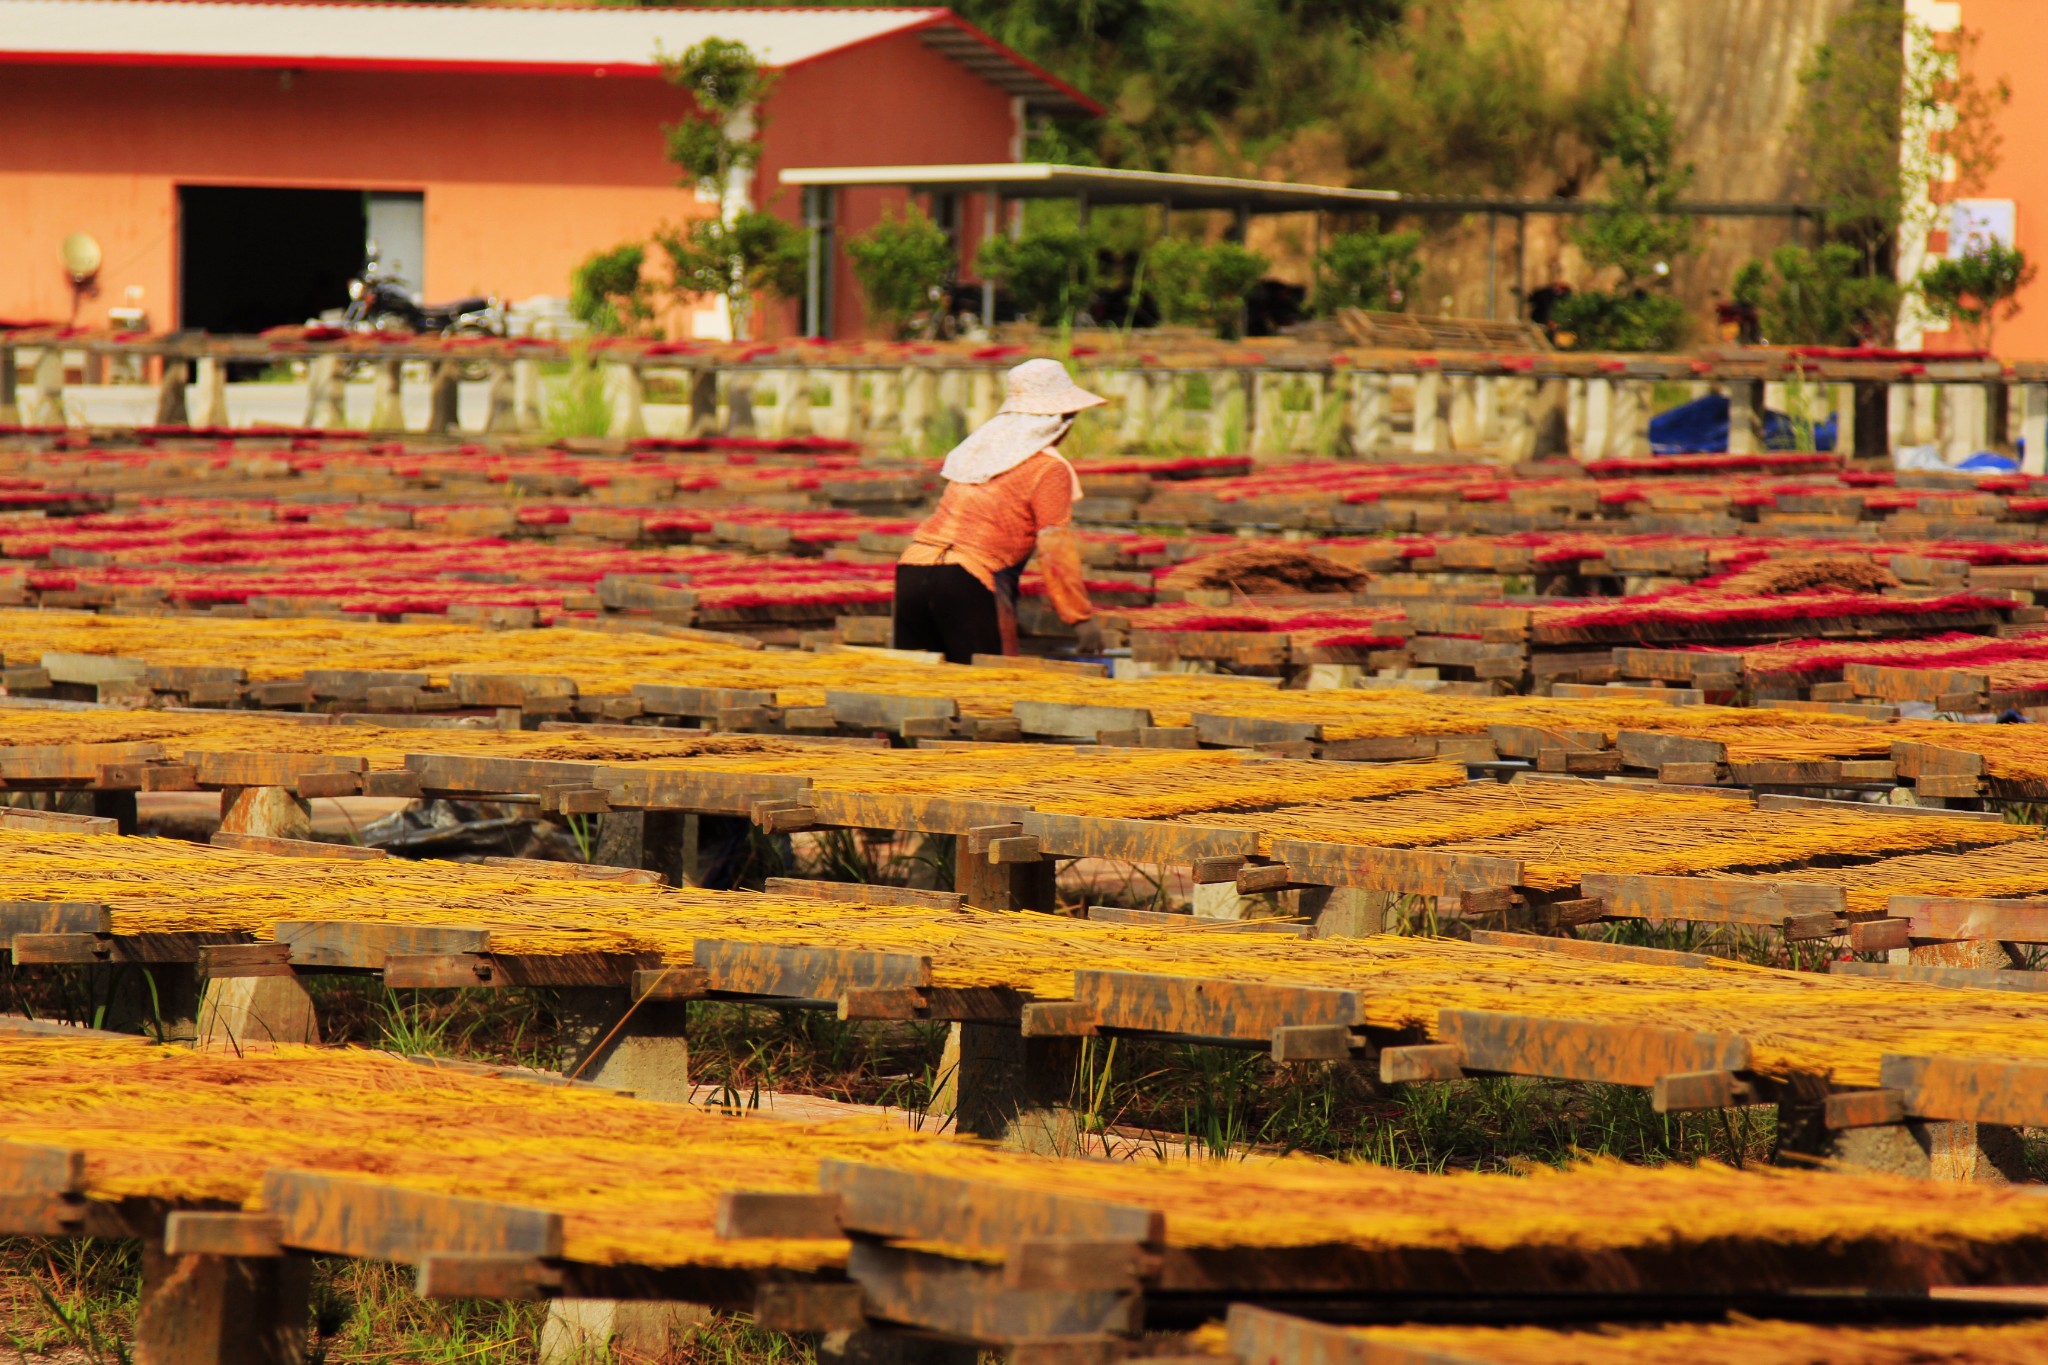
(1521,265)
(814,267)
(989,214)
(1492,256)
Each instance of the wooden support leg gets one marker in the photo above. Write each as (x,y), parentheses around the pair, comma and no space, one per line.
(170,395)
(2034,428)
(1745,416)
(444,398)
(1344,911)
(703,402)
(657,840)
(996,1083)
(1553,419)
(739,404)
(213,392)
(1872,421)
(1003,886)
(501,412)
(324,393)
(160,1000)
(582,1331)
(644,1051)
(118,806)
(10,387)
(1464,411)
(273,811)
(49,393)
(251,1011)
(387,396)
(222,1310)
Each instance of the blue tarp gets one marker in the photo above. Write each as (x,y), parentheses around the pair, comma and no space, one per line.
(1702,426)
(1986,462)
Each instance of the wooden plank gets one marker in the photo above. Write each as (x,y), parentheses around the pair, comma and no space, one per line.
(880,1201)
(1582,1050)
(295,848)
(1065,720)
(470,774)
(56,822)
(1242,732)
(1167,919)
(862,893)
(512,1277)
(1393,869)
(340,1216)
(71,762)
(1784,801)
(883,1003)
(1880,935)
(1686,1092)
(222,1233)
(1204,1008)
(245,959)
(54,917)
(1648,749)
(1057,1019)
(356,944)
(1421,1062)
(1076,1263)
(1864,1109)
(967,1300)
(882,711)
(1722,900)
(1954,978)
(1915,760)
(1973,1089)
(745,1213)
(40,1170)
(809,1306)
(1136,841)
(233,769)
(1313,1043)
(919,813)
(663,700)
(58,949)
(1962,918)
(431,971)
(1591,949)
(354,684)
(706,792)
(802,973)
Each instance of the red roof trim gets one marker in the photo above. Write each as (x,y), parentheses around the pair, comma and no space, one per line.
(158,59)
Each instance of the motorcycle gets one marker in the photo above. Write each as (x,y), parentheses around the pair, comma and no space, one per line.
(378,301)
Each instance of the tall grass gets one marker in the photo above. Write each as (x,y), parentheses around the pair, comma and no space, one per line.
(579,405)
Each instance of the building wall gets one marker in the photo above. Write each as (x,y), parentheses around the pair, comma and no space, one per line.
(2012,45)
(523,175)
(890,103)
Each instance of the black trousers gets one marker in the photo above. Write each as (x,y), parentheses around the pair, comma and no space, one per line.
(943,607)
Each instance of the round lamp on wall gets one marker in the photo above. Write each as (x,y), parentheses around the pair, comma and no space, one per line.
(81,253)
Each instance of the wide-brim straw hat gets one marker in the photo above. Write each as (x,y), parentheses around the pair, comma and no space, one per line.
(1043,388)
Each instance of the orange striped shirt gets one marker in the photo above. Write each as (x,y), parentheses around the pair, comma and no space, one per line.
(988,527)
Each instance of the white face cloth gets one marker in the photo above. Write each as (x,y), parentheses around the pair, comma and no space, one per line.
(1002,443)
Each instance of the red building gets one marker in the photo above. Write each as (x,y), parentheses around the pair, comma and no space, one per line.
(232,159)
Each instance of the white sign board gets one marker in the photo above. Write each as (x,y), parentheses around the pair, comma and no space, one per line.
(1974,223)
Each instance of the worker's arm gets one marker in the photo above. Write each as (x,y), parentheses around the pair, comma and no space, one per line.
(1059,551)
(1059,562)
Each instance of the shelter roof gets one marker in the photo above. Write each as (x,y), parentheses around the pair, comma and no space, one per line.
(605,40)
(1100,185)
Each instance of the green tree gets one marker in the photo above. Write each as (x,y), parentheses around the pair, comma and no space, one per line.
(1197,285)
(1818,298)
(742,252)
(1637,233)
(1977,288)
(607,292)
(1050,272)
(902,265)
(1890,112)
(1367,269)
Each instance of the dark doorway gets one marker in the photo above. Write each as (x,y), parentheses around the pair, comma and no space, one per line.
(257,258)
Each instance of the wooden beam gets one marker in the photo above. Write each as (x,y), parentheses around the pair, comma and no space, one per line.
(1722,900)
(222,1233)
(514,1277)
(880,1201)
(1959,918)
(354,944)
(802,973)
(746,1213)
(1582,1050)
(1205,1008)
(1972,1089)
(1393,869)
(343,1216)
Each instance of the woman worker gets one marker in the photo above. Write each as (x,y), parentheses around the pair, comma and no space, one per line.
(1008,491)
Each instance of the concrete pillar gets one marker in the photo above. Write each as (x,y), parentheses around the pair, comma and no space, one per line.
(1344,911)
(1490,394)
(387,396)
(1464,401)
(1745,417)
(1966,421)
(704,402)
(608,1041)
(996,1083)
(170,396)
(985,395)
(276,812)
(1372,418)
(1516,408)
(10,387)
(884,399)
(2034,428)
(323,393)
(222,1310)
(950,398)
(1575,417)
(1165,414)
(1221,900)
(1430,432)
(1552,418)
(844,386)
(526,395)
(1134,425)
(48,407)
(213,392)
(1596,441)
(1230,414)
(501,411)
(623,387)
(1629,432)
(918,403)
(1926,413)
